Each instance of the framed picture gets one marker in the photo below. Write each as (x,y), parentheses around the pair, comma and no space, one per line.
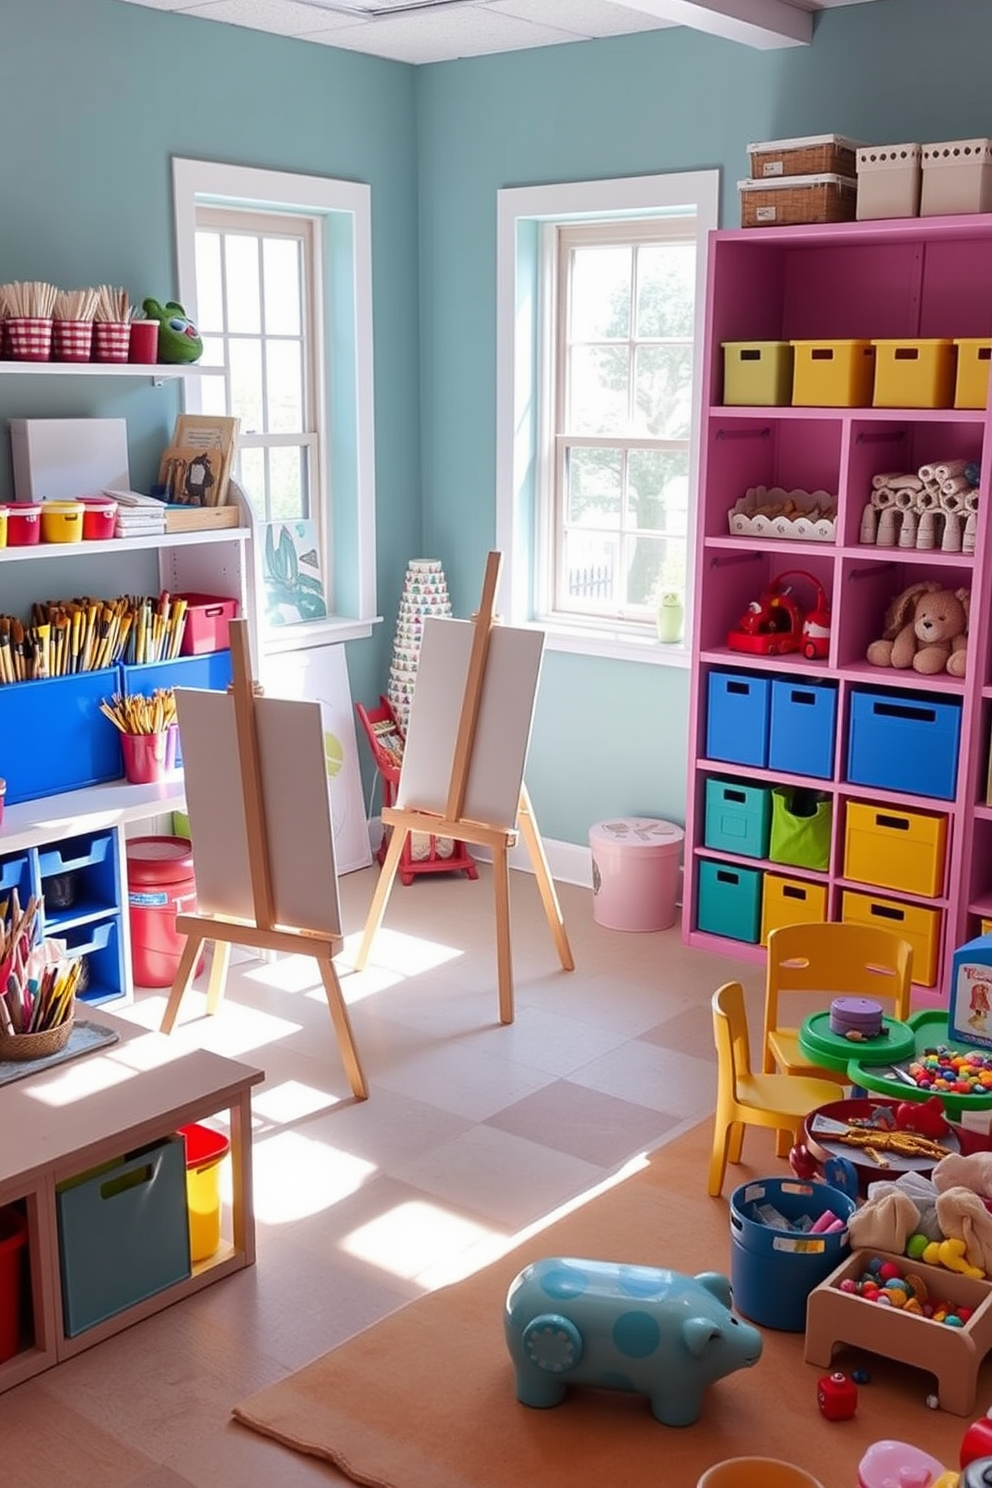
(212,433)
(190,475)
(292,580)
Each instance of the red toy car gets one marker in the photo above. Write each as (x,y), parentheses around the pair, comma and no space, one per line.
(775,624)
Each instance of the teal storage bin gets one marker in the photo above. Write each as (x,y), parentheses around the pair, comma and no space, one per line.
(123,1233)
(729,901)
(737,817)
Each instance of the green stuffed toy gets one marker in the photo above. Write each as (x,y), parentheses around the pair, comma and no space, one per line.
(178,338)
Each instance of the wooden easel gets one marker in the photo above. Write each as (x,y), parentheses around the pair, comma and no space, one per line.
(261,931)
(451,823)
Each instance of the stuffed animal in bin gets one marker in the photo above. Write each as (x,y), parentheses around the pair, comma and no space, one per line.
(178,339)
(926,629)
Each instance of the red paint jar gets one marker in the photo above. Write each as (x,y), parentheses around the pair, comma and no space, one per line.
(99,518)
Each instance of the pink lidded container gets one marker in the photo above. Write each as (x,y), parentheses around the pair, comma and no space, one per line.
(635,872)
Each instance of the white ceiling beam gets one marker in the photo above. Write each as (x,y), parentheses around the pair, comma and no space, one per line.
(764,24)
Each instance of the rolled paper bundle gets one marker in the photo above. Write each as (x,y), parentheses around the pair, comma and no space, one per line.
(907,529)
(951,501)
(971,500)
(970,535)
(909,482)
(955,484)
(950,541)
(887,535)
(882,497)
(883,480)
(927,500)
(948,468)
(869,524)
(926,532)
(903,497)
(926,473)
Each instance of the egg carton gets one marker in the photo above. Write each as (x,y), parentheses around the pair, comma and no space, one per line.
(771,511)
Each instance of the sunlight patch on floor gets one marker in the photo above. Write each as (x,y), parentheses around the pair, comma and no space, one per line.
(291,1101)
(411,1237)
(297,1176)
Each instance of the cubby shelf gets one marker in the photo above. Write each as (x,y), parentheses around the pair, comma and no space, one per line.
(904,279)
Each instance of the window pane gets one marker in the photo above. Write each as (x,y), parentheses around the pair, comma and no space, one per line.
(213,351)
(284,387)
(646,562)
(598,390)
(285,477)
(209,285)
(213,393)
(244,311)
(592,483)
(658,482)
(663,382)
(251,465)
(281,268)
(666,289)
(246,385)
(600,303)
(589,571)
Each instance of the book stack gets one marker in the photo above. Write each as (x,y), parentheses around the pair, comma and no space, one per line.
(137,515)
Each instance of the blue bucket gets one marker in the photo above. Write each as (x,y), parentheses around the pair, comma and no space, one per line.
(773,1270)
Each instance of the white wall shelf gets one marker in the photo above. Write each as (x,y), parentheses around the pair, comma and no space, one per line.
(118,545)
(159,372)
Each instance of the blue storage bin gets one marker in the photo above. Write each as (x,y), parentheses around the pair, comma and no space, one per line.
(904,742)
(729,901)
(738,817)
(737,718)
(123,1233)
(53,736)
(801,727)
(773,1270)
(210,672)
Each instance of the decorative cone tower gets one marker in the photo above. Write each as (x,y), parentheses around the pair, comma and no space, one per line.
(425,593)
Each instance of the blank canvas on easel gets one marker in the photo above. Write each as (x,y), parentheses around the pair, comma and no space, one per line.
(296,803)
(502,732)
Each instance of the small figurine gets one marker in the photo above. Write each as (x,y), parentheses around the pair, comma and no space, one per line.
(837,1396)
(179,341)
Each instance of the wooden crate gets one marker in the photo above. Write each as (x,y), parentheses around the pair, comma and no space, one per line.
(793,200)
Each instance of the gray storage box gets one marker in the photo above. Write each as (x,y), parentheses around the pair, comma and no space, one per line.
(60,459)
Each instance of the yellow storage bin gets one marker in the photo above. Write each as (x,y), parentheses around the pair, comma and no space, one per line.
(921,927)
(987,927)
(895,849)
(971,388)
(833,374)
(757,373)
(62,521)
(790,901)
(206,1149)
(914,374)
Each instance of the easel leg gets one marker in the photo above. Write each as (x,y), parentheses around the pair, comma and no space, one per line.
(545,883)
(379,899)
(217,980)
(342,1027)
(184,975)
(504,959)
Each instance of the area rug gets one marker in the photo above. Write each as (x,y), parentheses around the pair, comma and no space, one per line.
(425,1398)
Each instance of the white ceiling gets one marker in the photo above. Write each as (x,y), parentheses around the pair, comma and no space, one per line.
(419,31)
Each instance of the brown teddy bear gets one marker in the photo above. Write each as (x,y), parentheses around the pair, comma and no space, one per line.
(926,628)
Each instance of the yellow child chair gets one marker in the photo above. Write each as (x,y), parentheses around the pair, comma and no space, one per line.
(746,1099)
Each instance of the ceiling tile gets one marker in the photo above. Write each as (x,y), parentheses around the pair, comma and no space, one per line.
(280,17)
(444,35)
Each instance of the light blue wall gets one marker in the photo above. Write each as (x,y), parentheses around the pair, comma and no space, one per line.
(96,96)
(609,738)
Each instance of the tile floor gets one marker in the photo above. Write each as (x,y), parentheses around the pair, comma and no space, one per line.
(472,1132)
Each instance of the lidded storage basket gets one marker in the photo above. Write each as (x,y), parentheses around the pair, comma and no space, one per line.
(791,201)
(810,155)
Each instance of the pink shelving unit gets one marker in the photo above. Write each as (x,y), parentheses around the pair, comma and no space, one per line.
(910,278)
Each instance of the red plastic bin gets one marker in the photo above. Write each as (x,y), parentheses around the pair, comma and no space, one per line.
(207,621)
(13,1243)
(23,524)
(99,518)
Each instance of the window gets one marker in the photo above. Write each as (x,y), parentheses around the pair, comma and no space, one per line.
(276,271)
(600,300)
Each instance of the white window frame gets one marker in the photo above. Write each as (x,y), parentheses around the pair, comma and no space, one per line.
(525,343)
(347,479)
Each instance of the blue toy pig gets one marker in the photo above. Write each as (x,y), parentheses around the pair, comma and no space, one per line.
(620,1327)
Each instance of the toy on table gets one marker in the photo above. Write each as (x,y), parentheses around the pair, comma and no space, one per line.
(178,339)
(968,1013)
(776,624)
(857,1018)
(640,1328)
(896,1464)
(926,629)
(837,1396)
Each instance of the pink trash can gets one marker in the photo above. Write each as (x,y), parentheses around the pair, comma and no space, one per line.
(635,872)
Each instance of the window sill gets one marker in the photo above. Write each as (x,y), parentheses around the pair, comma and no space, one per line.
(316,633)
(614,646)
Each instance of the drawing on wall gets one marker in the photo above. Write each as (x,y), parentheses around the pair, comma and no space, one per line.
(291,573)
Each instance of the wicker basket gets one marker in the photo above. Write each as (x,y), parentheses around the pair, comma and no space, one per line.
(812,155)
(20,1046)
(794,200)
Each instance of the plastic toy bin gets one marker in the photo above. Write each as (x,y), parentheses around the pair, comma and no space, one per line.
(729,900)
(895,849)
(801,727)
(738,817)
(833,374)
(63,740)
(757,373)
(904,743)
(737,718)
(205,1151)
(790,901)
(160,884)
(123,1234)
(13,1249)
(915,923)
(773,1268)
(207,626)
(635,873)
(914,374)
(971,389)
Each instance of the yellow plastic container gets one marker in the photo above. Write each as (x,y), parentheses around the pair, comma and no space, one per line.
(62,521)
(914,374)
(790,901)
(3,526)
(895,849)
(206,1149)
(833,374)
(987,927)
(921,927)
(971,389)
(757,373)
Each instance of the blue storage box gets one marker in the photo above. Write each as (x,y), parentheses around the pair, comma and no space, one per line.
(123,1233)
(738,817)
(775,1263)
(737,718)
(99,943)
(53,736)
(801,728)
(729,901)
(210,672)
(904,743)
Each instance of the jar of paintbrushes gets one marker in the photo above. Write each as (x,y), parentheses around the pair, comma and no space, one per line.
(149,733)
(38,984)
